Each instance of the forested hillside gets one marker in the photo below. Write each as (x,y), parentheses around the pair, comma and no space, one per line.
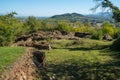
(94,18)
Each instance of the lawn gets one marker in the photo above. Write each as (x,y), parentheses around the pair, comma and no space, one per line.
(8,55)
(83,59)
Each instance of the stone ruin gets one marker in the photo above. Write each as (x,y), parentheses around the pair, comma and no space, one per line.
(39,39)
(83,35)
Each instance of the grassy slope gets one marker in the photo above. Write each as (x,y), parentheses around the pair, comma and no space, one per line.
(8,55)
(83,60)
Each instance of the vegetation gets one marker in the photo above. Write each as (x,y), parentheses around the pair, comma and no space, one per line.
(12,27)
(116,15)
(108,28)
(94,18)
(8,55)
(84,59)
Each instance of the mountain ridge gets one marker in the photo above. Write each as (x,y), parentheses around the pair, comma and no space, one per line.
(73,17)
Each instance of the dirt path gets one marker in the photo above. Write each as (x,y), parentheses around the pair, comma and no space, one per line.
(23,69)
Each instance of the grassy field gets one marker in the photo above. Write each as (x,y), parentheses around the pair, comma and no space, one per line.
(83,59)
(8,55)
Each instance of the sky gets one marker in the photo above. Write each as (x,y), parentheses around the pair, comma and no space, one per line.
(46,8)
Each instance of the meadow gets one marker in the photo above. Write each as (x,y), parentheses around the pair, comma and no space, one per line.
(83,59)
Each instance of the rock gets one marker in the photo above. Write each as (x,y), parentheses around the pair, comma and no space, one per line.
(29,42)
(22,38)
(82,35)
(36,39)
(21,43)
(41,45)
(56,33)
(107,37)
(64,32)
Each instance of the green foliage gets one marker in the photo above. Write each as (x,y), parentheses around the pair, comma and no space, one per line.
(32,23)
(48,39)
(6,35)
(97,35)
(7,28)
(49,25)
(64,26)
(108,28)
(11,27)
(9,18)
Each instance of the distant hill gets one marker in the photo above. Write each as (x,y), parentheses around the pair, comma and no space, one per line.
(100,17)
(73,17)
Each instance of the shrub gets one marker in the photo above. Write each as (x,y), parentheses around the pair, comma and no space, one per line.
(97,35)
(32,23)
(108,28)
(64,26)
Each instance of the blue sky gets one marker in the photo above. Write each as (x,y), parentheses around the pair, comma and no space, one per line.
(48,7)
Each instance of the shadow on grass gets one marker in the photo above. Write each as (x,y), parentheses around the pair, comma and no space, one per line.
(71,70)
(83,70)
(84,48)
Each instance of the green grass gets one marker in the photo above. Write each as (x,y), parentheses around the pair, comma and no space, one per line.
(8,55)
(82,60)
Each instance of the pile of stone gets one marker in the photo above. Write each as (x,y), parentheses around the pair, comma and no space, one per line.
(39,39)
(36,40)
(83,35)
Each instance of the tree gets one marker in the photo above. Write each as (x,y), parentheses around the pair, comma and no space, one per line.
(108,4)
(32,23)
(7,28)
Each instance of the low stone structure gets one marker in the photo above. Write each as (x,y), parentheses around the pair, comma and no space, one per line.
(39,39)
(83,35)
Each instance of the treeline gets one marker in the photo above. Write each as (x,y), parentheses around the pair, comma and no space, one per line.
(12,27)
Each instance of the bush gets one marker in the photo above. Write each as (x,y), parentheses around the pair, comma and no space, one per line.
(97,35)
(32,24)
(108,28)
(64,26)
(6,36)
(8,29)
